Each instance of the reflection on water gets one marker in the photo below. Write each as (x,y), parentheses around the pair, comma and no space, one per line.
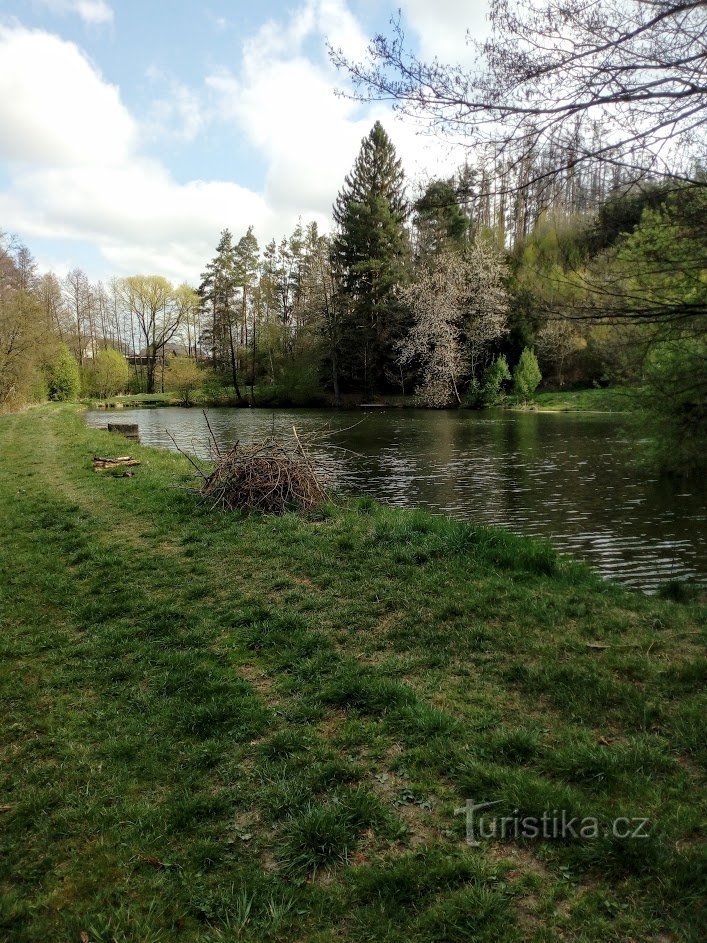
(565,476)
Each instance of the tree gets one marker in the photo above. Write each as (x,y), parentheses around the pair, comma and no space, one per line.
(218,293)
(556,342)
(246,265)
(77,291)
(459,304)
(150,299)
(49,292)
(439,220)
(189,309)
(526,375)
(488,301)
(555,71)
(25,333)
(109,373)
(23,339)
(183,376)
(324,302)
(662,266)
(675,401)
(63,377)
(371,250)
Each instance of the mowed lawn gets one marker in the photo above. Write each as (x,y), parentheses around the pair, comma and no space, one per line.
(217,728)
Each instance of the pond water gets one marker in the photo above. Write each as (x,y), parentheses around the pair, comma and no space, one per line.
(567,476)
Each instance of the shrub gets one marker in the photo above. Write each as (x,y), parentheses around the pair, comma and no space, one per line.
(526,375)
(495,376)
(63,379)
(109,374)
(183,376)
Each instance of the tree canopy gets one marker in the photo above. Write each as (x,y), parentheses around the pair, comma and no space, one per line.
(621,81)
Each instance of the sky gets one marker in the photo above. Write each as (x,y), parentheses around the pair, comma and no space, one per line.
(133,132)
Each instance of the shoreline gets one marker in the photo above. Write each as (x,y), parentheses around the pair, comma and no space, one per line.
(610,400)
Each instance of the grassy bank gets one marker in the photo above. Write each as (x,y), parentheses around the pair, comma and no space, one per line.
(610,400)
(613,399)
(218,728)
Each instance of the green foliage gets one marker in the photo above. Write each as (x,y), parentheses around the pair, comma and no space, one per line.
(25,338)
(676,405)
(496,374)
(108,375)
(526,375)
(298,384)
(440,222)
(620,215)
(372,252)
(183,376)
(661,267)
(63,377)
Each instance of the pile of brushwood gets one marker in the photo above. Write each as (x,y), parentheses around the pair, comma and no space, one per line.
(267,477)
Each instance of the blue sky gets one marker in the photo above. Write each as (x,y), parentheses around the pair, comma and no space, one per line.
(133,132)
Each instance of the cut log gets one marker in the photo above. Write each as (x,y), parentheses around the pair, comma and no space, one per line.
(100,463)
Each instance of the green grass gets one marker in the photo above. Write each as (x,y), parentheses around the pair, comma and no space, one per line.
(610,400)
(219,728)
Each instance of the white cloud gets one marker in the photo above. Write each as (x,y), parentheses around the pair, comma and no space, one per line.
(284,102)
(137,215)
(78,174)
(72,150)
(178,114)
(92,12)
(442,27)
(55,108)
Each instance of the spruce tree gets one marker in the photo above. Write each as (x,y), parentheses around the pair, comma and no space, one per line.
(440,222)
(372,251)
(218,295)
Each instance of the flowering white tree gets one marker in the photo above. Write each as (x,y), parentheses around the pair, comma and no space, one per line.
(459,305)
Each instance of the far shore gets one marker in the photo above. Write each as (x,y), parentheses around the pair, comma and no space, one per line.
(599,400)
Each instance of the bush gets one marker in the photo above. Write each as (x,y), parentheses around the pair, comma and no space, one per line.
(676,406)
(495,376)
(183,376)
(298,385)
(526,375)
(63,378)
(108,375)
(216,388)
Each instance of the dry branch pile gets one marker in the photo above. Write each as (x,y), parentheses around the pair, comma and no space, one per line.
(267,477)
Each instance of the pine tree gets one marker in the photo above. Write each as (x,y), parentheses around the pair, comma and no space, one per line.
(246,257)
(372,250)
(218,293)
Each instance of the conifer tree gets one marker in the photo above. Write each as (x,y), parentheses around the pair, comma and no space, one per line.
(246,256)
(372,251)
(218,293)
(440,222)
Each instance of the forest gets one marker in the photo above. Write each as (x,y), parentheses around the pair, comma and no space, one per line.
(567,250)
(461,296)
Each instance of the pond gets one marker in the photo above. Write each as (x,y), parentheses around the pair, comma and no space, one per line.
(570,477)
